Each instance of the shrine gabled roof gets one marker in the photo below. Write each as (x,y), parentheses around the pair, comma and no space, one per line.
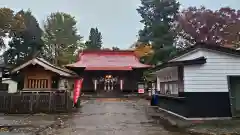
(107,60)
(45,64)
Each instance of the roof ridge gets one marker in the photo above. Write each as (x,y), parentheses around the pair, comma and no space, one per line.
(57,67)
(107,51)
(110,59)
(203,45)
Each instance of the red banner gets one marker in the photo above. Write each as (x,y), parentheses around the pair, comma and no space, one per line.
(77,90)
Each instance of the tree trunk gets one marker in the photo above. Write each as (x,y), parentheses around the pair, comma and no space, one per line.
(55,59)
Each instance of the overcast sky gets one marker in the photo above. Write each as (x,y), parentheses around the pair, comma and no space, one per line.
(116,19)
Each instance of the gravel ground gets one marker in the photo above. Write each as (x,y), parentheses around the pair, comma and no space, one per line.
(27,124)
(112,117)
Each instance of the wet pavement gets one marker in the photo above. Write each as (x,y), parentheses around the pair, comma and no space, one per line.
(112,117)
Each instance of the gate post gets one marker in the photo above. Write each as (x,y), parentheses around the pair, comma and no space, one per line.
(66,101)
(31,102)
(50,102)
(10,104)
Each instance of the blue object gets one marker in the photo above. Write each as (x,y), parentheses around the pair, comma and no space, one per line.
(154,100)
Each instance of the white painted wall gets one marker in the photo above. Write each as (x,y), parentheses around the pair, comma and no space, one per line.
(211,76)
(1,73)
(158,83)
(12,85)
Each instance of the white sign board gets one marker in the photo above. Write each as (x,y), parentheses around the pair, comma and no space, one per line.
(141,91)
(140,88)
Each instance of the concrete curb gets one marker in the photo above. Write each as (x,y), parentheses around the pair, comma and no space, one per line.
(169,123)
(204,133)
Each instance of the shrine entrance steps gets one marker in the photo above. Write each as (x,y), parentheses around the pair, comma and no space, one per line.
(101,94)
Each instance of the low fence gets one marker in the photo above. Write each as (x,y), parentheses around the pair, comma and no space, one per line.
(41,102)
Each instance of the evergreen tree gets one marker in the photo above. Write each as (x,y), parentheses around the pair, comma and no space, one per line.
(158,17)
(115,48)
(26,43)
(61,38)
(95,39)
(10,24)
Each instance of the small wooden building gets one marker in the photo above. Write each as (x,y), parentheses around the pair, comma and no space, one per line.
(202,82)
(108,73)
(44,88)
(40,75)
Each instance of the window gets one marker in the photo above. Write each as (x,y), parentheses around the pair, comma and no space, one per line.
(175,89)
(165,88)
(37,83)
(169,88)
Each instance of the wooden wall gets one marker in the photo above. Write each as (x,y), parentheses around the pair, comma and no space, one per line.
(38,73)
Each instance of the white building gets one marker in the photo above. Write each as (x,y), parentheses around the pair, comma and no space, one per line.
(201,82)
(12,85)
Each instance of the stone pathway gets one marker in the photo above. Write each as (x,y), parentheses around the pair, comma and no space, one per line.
(112,117)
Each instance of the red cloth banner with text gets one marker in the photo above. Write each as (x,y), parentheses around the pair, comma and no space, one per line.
(77,89)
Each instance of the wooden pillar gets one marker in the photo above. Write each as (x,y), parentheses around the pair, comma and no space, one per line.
(121,84)
(95,85)
(1,74)
(180,79)
(25,82)
(50,82)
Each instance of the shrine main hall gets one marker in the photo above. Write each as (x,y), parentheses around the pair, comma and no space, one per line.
(108,72)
